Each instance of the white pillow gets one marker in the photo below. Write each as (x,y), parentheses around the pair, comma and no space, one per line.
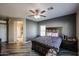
(54,34)
(49,34)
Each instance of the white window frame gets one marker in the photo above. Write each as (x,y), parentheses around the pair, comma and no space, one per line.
(42,30)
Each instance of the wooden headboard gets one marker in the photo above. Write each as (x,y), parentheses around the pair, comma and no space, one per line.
(54,29)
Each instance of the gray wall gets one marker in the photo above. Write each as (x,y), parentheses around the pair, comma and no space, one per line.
(68,24)
(31,29)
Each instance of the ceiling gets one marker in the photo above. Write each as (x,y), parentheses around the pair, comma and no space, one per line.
(21,10)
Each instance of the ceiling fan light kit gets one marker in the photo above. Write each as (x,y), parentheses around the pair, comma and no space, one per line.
(37,16)
(37,13)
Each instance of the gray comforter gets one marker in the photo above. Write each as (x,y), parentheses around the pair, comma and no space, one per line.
(50,41)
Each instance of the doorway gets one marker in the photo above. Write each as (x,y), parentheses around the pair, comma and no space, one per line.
(19,32)
(3,31)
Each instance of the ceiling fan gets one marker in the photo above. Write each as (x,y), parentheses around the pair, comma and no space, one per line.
(37,13)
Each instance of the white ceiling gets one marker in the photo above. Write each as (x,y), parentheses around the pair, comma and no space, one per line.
(21,10)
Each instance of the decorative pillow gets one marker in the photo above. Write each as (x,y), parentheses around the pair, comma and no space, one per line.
(55,35)
(49,34)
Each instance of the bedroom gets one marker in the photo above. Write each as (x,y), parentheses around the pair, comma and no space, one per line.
(40,24)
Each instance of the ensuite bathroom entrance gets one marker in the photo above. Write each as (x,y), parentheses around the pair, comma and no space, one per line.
(19,32)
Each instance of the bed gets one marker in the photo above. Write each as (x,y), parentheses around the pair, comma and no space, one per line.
(50,43)
(43,44)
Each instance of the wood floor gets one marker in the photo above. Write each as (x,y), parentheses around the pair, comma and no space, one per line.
(17,50)
(25,50)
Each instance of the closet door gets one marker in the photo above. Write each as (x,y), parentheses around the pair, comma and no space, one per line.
(3,32)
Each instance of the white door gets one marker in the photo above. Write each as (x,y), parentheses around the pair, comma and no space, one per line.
(3,32)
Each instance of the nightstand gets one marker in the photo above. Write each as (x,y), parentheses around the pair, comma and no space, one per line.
(69,45)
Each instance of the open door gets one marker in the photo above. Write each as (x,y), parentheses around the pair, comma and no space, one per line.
(19,32)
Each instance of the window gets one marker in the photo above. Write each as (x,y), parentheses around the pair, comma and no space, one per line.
(1,21)
(42,30)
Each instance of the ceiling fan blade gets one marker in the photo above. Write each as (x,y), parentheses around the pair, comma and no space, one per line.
(32,11)
(37,11)
(50,8)
(42,15)
(43,11)
(30,15)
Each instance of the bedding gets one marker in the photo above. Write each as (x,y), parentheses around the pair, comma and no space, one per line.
(49,34)
(55,35)
(49,41)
